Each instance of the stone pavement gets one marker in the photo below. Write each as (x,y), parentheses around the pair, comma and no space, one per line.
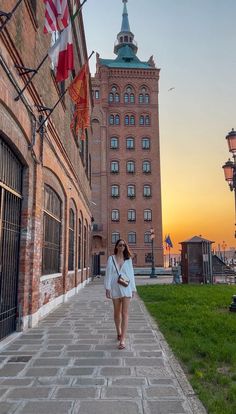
(70,364)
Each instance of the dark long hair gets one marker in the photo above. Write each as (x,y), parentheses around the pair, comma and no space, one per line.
(127,253)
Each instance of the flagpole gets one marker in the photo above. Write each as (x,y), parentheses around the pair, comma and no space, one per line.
(45,57)
(8,15)
(60,98)
(30,80)
(77,11)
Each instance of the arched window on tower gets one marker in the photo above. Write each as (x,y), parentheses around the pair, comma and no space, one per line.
(126,119)
(141,120)
(114,95)
(129,95)
(147,120)
(132,120)
(117,119)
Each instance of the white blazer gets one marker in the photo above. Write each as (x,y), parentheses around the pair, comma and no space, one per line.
(111,276)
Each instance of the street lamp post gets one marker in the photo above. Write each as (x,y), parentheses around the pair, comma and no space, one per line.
(224,245)
(152,237)
(230,167)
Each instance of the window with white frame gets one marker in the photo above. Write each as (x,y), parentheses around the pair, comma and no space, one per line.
(115,191)
(147,215)
(132,237)
(114,167)
(130,143)
(130,167)
(147,237)
(145,143)
(114,237)
(146,167)
(131,191)
(115,215)
(114,143)
(147,190)
(131,215)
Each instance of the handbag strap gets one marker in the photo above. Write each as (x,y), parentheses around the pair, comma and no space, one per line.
(115,265)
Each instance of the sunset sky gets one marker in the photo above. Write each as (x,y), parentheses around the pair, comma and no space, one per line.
(194,44)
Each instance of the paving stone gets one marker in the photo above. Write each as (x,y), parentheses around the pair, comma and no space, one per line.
(121,353)
(157,372)
(14,382)
(50,354)
(77,347)
(145,347)
(11,370)
(6,408)
(51,362)
(53,381)
(79,371)
(146,362)
(98,362)
(20,358)
(106,347)
(115,372)
(3,391)
(14,353)
(41,372)
(162,381)
(87,354)
(151,354)
(138,341)
(31,348)
(107,407)
(46,407)
(29,393)
(89,381)
(31,335)
(77,393)
(128,381)
(54,347)
(161,391)
(121,393)
(164,407)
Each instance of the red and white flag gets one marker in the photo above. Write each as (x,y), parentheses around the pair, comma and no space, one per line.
(57,15)
(61,54)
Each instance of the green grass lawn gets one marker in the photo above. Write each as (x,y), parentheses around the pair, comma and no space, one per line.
(201,332)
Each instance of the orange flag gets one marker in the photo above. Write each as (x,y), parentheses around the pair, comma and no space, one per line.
(78,91)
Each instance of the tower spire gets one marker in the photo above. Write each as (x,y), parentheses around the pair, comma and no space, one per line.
(125,19)
(125,37)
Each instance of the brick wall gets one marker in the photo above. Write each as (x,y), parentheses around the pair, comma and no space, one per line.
(54,159)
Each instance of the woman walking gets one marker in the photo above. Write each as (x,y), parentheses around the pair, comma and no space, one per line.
(121,292)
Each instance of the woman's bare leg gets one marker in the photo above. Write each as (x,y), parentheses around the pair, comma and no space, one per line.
(117,314)
(125,317)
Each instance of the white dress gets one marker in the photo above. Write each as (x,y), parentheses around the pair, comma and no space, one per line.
(111,276)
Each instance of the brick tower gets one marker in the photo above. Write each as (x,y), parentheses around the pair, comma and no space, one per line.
(126,188)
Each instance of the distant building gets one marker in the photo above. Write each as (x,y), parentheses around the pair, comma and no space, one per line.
(45,178)
(126,188)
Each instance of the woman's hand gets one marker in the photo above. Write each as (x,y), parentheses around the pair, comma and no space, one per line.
(133,294)
(108,294)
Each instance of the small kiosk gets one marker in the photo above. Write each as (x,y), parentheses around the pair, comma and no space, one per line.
(196,260)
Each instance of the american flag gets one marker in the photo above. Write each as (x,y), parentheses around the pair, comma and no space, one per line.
(56,15)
